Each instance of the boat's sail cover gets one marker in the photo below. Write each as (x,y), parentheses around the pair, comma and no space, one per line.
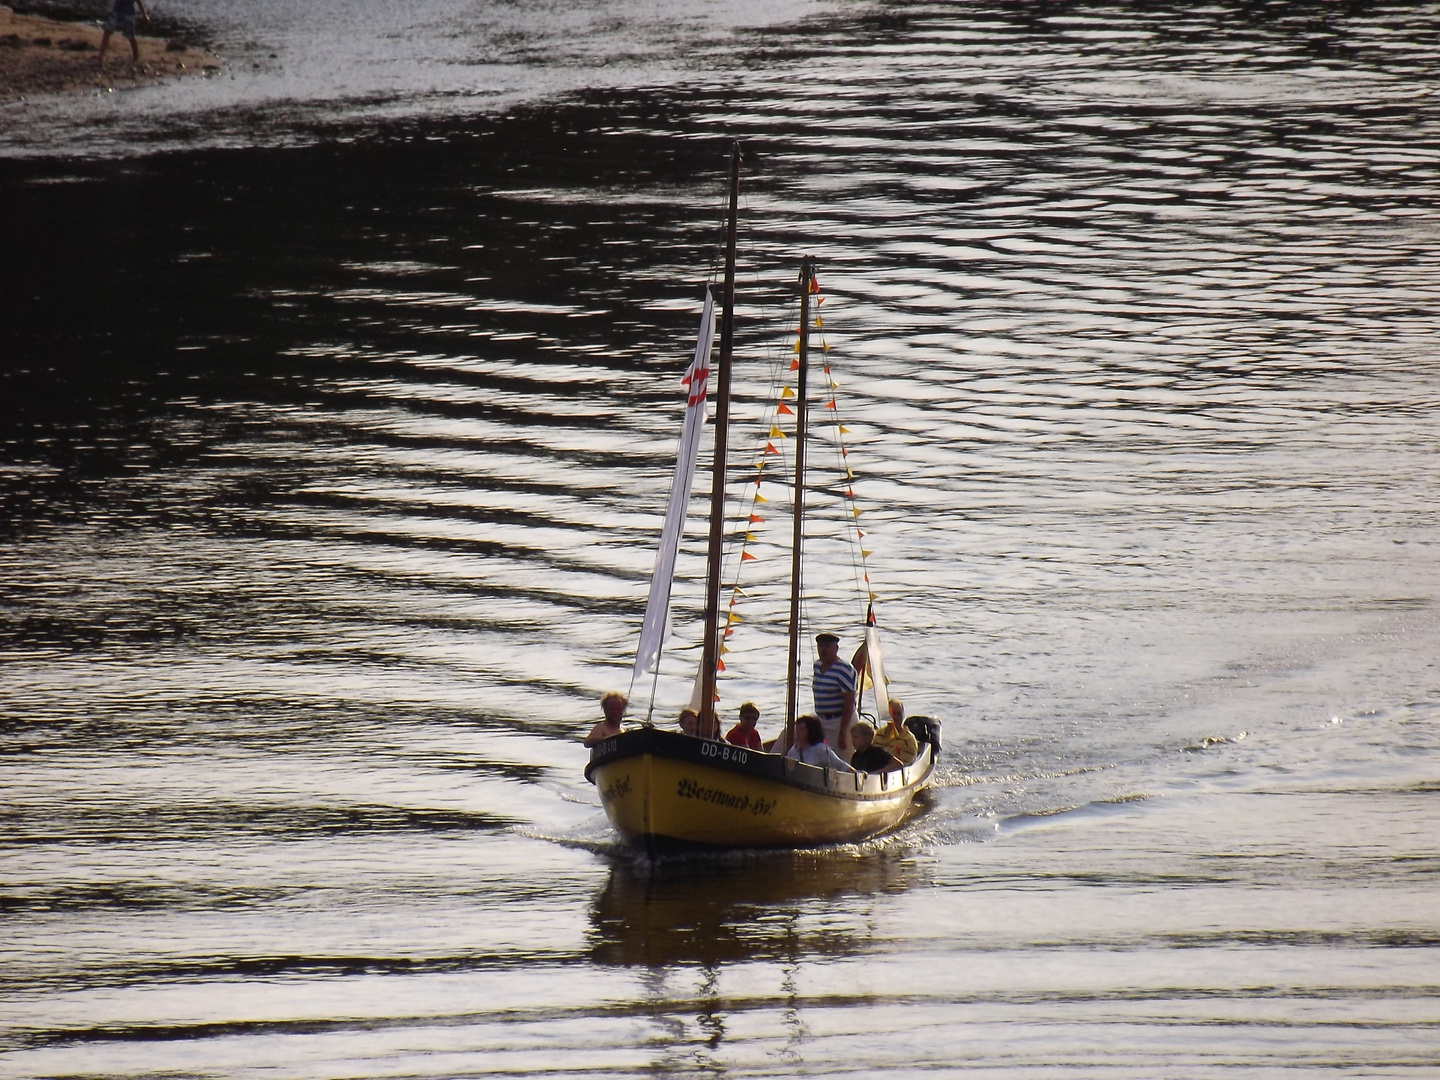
(877,668)
(656,628)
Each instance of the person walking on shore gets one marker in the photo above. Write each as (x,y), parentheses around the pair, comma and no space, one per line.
(122,18)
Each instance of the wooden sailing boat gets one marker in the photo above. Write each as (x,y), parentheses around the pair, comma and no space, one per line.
(668,790)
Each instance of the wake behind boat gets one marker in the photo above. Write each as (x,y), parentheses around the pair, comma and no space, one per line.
(669,790)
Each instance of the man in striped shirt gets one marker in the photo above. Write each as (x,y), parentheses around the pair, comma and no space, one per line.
(833,685)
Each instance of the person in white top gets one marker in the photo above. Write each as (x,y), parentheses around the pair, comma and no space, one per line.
(811,747)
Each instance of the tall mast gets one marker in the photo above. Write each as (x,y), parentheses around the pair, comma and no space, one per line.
(802,410)
(711,657)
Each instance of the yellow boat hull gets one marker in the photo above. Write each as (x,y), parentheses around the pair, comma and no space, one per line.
(666,790)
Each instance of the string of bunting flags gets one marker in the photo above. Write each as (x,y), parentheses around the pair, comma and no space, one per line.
(781,406)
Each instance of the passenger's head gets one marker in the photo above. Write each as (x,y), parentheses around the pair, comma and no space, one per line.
(897,710)
(613,705)
(827,646)
(689,722)
(808,731)
(861,735)
(749,715)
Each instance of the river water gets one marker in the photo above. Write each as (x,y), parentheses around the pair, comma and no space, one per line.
(338,424)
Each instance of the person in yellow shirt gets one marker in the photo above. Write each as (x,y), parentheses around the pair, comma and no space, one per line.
(895,738)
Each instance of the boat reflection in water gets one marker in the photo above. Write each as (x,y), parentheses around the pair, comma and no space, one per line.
(744,908)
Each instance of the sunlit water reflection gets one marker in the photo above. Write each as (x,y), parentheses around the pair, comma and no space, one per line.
(332,482)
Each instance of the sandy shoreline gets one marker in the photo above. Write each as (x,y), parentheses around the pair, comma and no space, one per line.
(45,56)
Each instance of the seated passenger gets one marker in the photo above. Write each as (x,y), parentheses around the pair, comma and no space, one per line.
(689,721)
(867,756)
(613,706)
(744,733)
(811,747)
(895,738)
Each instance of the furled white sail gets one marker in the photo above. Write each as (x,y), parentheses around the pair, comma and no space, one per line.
(877,672)
(656,628)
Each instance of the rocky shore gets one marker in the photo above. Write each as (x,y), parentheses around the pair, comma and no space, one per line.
(46,56)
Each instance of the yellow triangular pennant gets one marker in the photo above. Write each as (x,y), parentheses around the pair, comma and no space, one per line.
(786,392)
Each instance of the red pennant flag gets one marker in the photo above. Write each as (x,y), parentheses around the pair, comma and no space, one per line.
(745,555)
(794,365)
(756,519)
(785,409)
(769,449)
(719,664)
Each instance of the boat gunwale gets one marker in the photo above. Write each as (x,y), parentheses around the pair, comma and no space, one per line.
(775,768)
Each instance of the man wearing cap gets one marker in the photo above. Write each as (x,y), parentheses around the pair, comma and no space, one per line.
(833,685)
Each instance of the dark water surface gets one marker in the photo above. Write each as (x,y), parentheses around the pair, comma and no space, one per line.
(335,457)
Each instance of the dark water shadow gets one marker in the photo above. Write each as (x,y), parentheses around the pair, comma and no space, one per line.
(747,906)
